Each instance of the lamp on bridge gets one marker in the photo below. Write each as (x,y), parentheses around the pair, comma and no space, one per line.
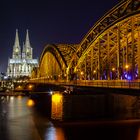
(126,66)
(113,73)
(82,74)
(127,73)
(113,69)
(94,71)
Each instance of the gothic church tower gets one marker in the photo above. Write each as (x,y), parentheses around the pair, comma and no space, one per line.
(16,47)
(22,62)
(27,47)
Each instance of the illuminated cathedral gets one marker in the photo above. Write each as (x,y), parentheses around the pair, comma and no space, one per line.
(22,62)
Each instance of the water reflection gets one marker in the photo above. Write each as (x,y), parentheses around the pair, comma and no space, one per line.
(19,97)
(18,121)
(138,135)
(57,106)
(54,133)
(30,103)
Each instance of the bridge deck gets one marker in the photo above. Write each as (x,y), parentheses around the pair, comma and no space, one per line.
(94,83)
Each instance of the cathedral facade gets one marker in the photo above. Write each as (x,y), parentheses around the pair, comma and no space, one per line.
(22,62)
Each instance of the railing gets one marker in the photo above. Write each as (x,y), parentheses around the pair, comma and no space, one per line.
(92,83)
(112,84)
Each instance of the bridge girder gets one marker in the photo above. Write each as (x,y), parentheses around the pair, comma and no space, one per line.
(111,48)
(54,60)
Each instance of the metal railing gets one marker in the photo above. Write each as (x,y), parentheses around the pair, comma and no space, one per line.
(92,83)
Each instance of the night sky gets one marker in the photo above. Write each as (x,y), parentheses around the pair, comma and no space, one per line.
(48,21)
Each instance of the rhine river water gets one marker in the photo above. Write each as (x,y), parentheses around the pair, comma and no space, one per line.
(19,120)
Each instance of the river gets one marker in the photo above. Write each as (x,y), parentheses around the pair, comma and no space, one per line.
(19,120)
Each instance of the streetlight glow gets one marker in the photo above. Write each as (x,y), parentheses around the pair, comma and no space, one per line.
(113,69)
(94,71)
(82,72)
(126,66)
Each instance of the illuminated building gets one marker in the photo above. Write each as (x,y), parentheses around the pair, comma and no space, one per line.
(22,62)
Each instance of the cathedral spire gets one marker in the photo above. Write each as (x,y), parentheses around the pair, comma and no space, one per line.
(27,41)
(28,48)
(16,44)
(16,47)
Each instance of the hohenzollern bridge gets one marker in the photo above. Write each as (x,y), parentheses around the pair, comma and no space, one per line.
(110,51)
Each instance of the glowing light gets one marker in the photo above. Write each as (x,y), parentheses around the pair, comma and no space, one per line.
(57,106)
(129,77)
(54,133)
(16,50)
(126,66)
(30,87)
(19,86)
(56,98)
(51,92)
(94,71)
(19,97)
(11,98)
(30,103)
(113,69)
(82,72)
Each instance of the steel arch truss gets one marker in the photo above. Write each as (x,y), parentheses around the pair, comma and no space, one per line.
(115,54)
(54,60)
(111,49)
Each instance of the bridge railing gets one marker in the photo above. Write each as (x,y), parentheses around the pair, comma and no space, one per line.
(94,83)
(111,83)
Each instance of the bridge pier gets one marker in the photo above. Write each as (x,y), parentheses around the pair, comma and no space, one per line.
(95,106)
(81,106)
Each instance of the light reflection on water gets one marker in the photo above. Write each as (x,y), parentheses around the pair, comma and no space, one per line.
(54,133)
(138,135)
(19,122)
(30,103)
(57,106)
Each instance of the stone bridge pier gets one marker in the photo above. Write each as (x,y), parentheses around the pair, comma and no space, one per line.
(60,106)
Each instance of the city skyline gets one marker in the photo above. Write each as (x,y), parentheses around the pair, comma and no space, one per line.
(47,22)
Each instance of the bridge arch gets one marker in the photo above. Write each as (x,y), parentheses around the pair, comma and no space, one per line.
(111,49)
(54,60)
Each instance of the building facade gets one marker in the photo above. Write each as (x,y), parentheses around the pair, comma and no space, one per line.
(22,62)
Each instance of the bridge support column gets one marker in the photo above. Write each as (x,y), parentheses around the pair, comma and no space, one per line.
(118,54)
(85,71)
(138,53)
(91,69)
(99,61)
(108,56)
(133,49)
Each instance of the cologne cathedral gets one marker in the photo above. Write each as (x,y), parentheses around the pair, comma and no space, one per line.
(22,62)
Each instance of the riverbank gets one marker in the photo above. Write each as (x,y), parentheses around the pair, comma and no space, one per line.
(11,93)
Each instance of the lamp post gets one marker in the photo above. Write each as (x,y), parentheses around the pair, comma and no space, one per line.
(113,73)
(127,75)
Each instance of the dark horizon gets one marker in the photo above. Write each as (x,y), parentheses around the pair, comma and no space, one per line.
(47,22)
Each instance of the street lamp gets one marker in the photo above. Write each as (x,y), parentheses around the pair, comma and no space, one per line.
(126,66)
(113,69)
(82,73)
(127,73)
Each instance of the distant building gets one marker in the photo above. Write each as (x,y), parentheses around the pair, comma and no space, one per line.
(22,62)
